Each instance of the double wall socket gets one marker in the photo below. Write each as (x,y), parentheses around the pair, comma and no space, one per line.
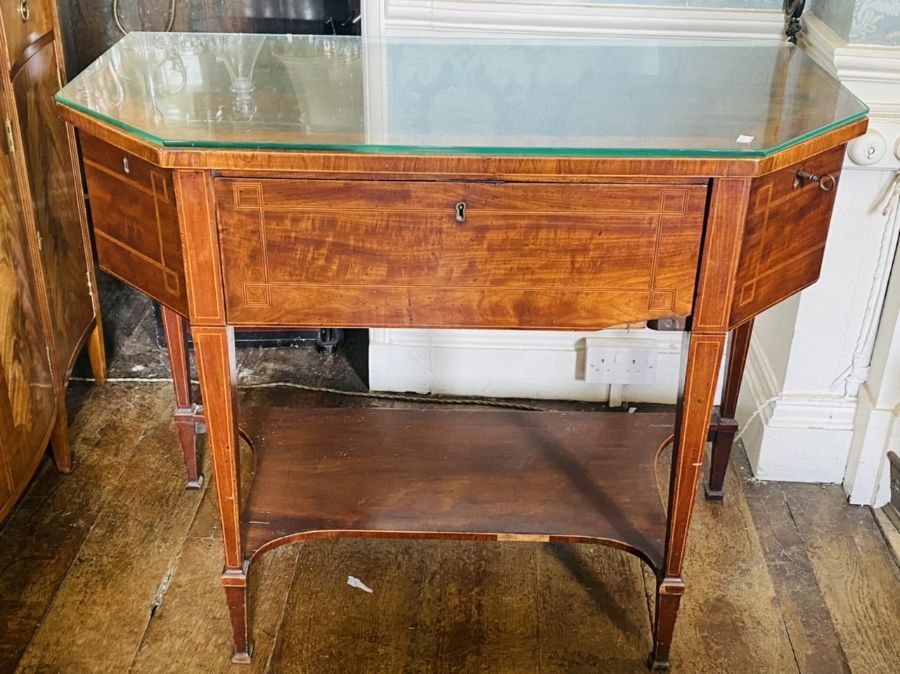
(619,361)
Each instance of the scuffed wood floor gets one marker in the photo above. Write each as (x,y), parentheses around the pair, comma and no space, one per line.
(115,568)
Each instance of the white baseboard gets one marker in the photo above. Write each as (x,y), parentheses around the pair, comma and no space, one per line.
(796,437)
(572,19)
(508,364)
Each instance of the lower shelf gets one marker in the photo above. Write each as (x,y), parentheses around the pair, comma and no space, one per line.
(446,473)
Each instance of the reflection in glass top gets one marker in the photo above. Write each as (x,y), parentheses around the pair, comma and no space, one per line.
(466,96)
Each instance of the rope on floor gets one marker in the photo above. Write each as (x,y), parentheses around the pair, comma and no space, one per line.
(404,397)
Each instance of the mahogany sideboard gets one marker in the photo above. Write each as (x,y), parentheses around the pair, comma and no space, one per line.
(285,181)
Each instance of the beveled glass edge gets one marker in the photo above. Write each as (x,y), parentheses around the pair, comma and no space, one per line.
(598,153)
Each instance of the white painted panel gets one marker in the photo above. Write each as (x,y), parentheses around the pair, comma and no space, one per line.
(773,331)
(571,19)
(839,314)
(866,480)
(884,376)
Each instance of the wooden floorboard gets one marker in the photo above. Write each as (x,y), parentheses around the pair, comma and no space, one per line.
(814,639)
(730,619)
(190,631)
(126,560)
(601,593)
(859,579)
(890,531)
(39,542)
(441,606)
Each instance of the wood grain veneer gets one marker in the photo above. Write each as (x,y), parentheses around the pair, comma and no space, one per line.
(784,235)
(726,425)
(186,411)
(27,405)
(124,190)
(19,32)
(483,474)
(55,195)
(323,252)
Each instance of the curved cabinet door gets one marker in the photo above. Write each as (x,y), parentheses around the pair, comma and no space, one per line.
(24,21)
(27,398)
(53,183)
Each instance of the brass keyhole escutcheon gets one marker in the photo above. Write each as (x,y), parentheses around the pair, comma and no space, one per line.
(461,211)
(24,12)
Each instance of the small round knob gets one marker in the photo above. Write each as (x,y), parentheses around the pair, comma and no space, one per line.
(24,12)
(867,150)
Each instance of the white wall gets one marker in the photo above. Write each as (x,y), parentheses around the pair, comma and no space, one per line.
(507,364)
(877,422)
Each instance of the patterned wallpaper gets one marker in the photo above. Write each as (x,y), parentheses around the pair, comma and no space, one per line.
(863,21)
(838,14)
(876,22)
(733,4)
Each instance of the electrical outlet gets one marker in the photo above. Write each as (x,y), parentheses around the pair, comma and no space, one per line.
(620,361)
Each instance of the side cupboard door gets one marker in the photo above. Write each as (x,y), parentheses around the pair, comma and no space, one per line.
(27,397)
(53,185)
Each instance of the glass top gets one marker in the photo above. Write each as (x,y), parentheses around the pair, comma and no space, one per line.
(466,96)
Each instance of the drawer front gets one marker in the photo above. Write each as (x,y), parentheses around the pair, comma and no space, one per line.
(425,254)
(25,22)
(135,222)
(784,235)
